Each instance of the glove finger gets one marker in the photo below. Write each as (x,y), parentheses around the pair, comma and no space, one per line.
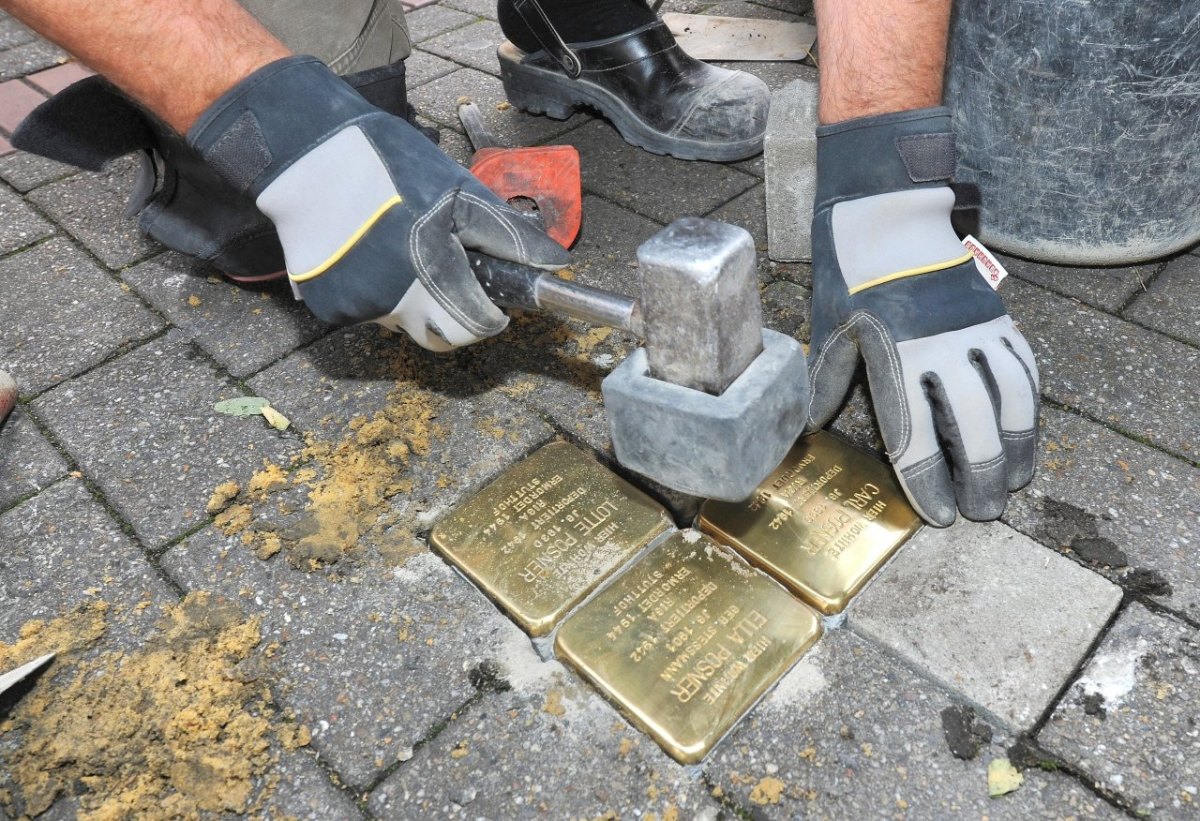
(1016,400)
(965,419)
(830,374)
(483,223)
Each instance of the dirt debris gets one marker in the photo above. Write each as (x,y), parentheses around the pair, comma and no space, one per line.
(335,496)
(965,734)
(176,728)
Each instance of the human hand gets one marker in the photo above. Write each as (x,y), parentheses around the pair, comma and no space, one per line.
(954,384)
(374,219)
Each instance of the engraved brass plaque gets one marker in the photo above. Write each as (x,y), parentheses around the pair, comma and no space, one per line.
(687,640)
(541,537)
(822,523)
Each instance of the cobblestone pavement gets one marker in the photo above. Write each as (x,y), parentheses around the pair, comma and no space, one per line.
(1071,629)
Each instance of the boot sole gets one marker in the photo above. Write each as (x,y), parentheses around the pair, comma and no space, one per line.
(540,91)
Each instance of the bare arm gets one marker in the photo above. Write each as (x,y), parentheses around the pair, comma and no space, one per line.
(880,56)
(175,58)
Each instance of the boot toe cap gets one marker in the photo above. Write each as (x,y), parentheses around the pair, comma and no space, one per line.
(732,110)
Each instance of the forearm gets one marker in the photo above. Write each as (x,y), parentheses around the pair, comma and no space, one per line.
(175,58)
(880,56)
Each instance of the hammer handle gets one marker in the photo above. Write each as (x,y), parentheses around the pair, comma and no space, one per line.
(512,285)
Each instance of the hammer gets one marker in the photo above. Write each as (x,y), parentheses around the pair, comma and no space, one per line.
(713,401)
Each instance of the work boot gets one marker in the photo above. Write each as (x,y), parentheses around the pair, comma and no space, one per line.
(658,97)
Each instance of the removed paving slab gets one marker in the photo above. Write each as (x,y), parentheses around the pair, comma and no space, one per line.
(990,614)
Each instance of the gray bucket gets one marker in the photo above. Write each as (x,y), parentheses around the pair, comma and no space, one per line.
(1080,122)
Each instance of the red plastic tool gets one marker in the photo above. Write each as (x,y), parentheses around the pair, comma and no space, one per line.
(546,178)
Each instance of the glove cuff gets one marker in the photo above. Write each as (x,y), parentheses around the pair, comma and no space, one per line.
(279,113)
(884,153)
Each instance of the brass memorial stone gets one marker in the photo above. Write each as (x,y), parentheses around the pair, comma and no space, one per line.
(541,537)
(822,523)
(686,641)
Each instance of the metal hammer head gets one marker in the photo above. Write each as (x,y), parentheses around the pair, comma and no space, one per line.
(713,402)
(700,303)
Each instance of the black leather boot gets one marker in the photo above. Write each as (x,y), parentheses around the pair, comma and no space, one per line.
(657,96)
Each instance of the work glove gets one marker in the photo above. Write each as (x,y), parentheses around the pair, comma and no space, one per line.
(374,220)
(953,382)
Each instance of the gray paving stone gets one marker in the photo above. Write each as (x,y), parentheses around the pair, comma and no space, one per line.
(749,211)
(1104,288)
(431,21)
(1168,305)
(371,662)
(13,33)
(1111,370)
(479,8)
(27,58)
(245,328)
(1130,720)
(25,171)
(143,428)
(20,225)
(661,188)
(90,207)
(473,45)
(303,790)
(438,100)
(1110,496)
(422,67)
(44,573)
(989,613)
(63,315)
(852,733)
(28,463)
(546,747)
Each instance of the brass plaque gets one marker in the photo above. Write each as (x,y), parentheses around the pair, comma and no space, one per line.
(687,640)
(541,537)
(822,523)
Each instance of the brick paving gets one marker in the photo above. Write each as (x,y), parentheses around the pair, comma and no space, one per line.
(1071,628)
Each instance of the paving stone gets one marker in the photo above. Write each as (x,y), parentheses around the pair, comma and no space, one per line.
(1111,370)
(54,80)
(852,733)
(1104,288)
(479,8)
(143,428)
(25,171)
(30,57)
(17,99)
(44,573)
(545,747)
(749,211)
(1168,305)
(372,662)
(245,328)
(473,45)
(303,790)
(989,613)
(90,206)
(422,67)
(63,315)
(438,100)
(803,8)
(20,225)
(1131,512)
(1130,721)
(13,33)
(661,188)
(28,463)
(431,21)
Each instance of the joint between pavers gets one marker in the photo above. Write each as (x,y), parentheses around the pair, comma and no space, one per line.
(1141,440)
(1132,298)
(1157,607)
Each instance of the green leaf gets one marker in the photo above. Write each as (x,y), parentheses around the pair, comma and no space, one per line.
(276,419)
(242,406)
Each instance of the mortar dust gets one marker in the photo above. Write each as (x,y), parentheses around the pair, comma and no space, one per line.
(346,487)
(174,729)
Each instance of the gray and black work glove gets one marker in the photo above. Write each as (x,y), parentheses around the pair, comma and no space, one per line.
(953,382)
(374,220)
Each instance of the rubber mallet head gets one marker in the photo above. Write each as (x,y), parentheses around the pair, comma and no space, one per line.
(713,402)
